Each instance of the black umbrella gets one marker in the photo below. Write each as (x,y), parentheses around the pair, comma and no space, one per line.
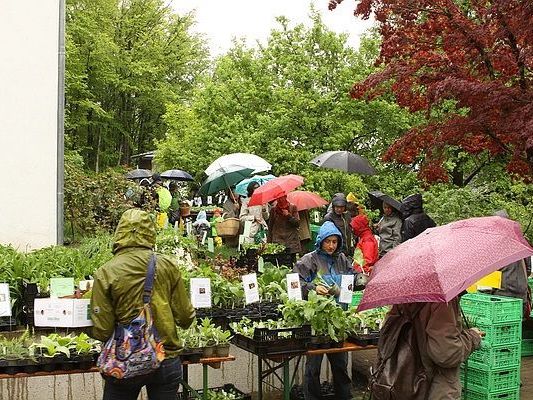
(139,174)
(377,198)
(177,175)
(345,161)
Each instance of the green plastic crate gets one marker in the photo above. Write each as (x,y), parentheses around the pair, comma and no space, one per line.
(502,356)
(527,347)
(507,394)
(501,333)
(356,298)
(484,308)
(491,380)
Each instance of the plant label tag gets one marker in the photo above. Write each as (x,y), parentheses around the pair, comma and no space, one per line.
(201,292)
(316,217)
(5,300)
(60,287)
(247,228)
(293,287)
(188,227)
(209,200)
(346,289)
(62,313)
(210,245)
(241,241)
(251,289)
(86,285)
(260,265)
(204,236)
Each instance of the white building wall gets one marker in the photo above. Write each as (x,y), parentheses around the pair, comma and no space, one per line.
(29,37)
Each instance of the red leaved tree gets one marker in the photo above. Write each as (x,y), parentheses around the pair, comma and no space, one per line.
(477,53)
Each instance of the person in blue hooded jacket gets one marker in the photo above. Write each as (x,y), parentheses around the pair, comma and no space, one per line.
(328,261)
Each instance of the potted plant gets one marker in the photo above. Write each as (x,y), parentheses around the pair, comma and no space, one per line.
(223,338)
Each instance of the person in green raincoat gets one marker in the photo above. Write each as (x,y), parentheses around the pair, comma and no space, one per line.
(117,299)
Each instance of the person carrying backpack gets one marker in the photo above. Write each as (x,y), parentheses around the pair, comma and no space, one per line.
(420,350)
(133,279)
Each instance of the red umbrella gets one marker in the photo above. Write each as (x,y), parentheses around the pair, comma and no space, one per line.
(305,200)
(441,262)
(275,188)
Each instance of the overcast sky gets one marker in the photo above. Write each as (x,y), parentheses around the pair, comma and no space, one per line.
(221,21)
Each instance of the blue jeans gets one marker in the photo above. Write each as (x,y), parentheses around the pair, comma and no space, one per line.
(161,385)
(339,370)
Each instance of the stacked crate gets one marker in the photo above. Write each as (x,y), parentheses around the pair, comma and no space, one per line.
(493,371)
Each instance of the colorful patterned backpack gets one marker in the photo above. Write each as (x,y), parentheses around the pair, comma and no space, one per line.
(135,349)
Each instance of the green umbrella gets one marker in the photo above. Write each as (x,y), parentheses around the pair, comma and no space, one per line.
(223,178)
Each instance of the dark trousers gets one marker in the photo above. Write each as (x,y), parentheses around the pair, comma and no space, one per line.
(339,370)
(161,385)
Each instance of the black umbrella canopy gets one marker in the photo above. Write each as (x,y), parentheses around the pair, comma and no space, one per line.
(177,175)
(138,174)
(344,161)
(377,198)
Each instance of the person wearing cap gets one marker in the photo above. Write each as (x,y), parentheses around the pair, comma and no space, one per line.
(341,219)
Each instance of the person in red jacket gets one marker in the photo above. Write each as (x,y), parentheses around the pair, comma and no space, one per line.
(367,244)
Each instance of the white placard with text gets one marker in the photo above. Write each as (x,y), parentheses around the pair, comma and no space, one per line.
(5,300)
(251,288)
(201,292)
(293,287)
(346,289)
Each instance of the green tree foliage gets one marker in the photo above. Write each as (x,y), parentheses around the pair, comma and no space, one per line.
(286,101)
(94,202)
(125,60)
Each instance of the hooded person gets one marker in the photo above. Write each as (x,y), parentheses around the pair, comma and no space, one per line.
(117,299)
(328,262)
(415,220)
(256,216)
(366,244)
(341,219)
(389,229)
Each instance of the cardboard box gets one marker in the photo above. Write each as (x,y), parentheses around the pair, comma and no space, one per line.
(62,313)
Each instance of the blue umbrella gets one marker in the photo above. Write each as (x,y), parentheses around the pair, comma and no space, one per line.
(240,189)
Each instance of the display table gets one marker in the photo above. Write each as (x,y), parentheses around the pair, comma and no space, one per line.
(213,362)
(281,361)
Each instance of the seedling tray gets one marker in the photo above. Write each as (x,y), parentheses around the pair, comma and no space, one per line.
(362,339)
(228,388)
(267,342)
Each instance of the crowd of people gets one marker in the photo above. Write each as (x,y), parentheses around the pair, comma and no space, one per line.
(347,243)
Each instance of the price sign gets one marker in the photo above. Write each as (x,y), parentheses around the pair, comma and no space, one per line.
(293,287)
(346,289)
(251,289)
(5,300)
(201,292)
(60,287)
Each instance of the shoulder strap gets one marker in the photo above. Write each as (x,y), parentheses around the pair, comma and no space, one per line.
(149,281)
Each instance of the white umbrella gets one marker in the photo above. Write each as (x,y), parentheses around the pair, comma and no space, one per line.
(243,160)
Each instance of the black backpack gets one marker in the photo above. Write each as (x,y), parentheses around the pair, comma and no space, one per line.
(400,373)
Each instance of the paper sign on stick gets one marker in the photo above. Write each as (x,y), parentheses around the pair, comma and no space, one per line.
(293,287)
(210,245)
(316,217)
(5,300)
(346,289)
(209,200)
(251,289)
(241,241)
(204,236)
(60,287)
(247,228)
(260,265)
(201,292)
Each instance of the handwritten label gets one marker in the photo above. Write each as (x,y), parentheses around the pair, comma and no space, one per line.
(60,287)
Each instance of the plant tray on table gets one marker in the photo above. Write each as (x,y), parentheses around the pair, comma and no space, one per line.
(270,338)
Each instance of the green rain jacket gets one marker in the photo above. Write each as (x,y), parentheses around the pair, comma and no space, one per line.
(118,285)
